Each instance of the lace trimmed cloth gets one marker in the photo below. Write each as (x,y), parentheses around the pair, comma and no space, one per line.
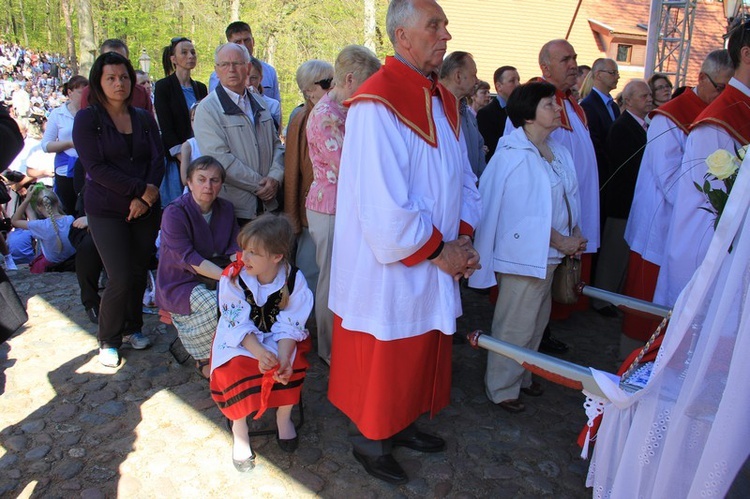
(686,433)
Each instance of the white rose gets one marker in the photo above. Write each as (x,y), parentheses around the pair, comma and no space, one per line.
(741,152)
(722,164)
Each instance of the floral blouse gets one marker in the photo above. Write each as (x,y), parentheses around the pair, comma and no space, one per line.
(325,137)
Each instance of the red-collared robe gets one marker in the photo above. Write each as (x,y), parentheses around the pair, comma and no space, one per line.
(651,212)
(405,185)
(724,124)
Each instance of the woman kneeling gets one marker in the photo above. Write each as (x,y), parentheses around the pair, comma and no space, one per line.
(198,232)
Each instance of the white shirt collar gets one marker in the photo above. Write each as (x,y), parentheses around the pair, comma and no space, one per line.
(740,86)
(639,120)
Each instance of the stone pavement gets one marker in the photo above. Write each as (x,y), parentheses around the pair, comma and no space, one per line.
(72,428)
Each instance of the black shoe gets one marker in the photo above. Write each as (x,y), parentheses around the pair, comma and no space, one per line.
(93,313)
(552,345)
(383,467)
(608,311)
(289,444)
(421,442)
(245,465)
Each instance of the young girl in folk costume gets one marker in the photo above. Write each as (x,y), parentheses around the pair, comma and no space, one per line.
(258,354)
(48,224)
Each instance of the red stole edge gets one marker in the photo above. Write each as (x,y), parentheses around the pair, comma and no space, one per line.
(409,96)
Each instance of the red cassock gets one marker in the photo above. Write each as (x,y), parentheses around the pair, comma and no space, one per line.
(384,386)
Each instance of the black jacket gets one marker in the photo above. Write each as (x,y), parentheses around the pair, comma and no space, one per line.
(491,121)
(172,110)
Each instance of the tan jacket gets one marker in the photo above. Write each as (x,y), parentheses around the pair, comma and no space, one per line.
(298,172)
(248,152)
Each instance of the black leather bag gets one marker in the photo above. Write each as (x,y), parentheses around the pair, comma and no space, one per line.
(13,314)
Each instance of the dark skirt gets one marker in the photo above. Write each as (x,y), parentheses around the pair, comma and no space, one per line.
(236,385)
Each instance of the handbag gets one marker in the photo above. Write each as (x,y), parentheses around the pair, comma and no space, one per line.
(14,312)
(568,274)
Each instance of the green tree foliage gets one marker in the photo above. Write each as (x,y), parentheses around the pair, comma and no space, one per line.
(287,32)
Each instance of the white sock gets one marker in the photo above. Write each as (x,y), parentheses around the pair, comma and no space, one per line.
(241,449)
(284,422)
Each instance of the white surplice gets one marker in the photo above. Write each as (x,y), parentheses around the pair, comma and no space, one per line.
(393,188)
(655,190)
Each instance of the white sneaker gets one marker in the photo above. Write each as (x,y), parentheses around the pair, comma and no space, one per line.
(9,263)
(109,357)
(137,341)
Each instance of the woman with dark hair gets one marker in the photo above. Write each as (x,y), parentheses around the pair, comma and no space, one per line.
(173,97)
(529,223)
(58,138)
(198,235)
(661,88)
(121,152)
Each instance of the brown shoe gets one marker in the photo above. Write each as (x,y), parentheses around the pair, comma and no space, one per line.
(534,389)
(512,405)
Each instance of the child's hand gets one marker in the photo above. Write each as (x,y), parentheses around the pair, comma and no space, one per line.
(284,372)
(266,360)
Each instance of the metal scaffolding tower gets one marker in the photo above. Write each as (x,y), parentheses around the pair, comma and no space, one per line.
(670,30)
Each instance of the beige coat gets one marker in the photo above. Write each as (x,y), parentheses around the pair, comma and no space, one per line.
(248,152)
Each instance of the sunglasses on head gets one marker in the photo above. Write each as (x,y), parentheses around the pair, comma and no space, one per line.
(178,39)
(324,84)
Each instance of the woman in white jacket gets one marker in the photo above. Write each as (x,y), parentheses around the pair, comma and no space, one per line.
(529,223)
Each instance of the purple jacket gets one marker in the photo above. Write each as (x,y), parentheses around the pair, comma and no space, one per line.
(186,240)
(113,176)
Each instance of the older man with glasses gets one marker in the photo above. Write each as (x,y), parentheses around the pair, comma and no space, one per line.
(234,126)
(724,124)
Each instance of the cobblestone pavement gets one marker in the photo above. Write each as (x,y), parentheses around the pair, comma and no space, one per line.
(72,428)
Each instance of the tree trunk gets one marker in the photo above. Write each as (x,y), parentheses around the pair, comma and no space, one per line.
(370,24)
(235,10)
(48,23)
(13,21)
(69,36)
(270,49)
(88,48)
(23,25)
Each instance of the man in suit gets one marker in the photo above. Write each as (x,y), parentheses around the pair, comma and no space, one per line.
(601,109)
(624,147)
(491,118)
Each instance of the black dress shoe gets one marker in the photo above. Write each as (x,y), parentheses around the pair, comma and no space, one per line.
(608,311)
(383,467)
(245,465)
(552,345)
(287,444)
(421,442)
(93,313)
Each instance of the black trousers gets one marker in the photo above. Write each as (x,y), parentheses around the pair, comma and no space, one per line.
(67,193)
(376,448)
(126,249)
(88,267)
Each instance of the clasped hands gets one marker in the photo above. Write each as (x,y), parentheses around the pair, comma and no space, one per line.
(267,361)
(267,188)
(458,258)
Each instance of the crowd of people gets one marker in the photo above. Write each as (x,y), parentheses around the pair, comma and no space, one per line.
(395,182)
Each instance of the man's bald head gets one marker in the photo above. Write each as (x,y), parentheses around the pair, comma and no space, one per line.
(557,60)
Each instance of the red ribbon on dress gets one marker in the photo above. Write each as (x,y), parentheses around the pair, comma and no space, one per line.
(265,390)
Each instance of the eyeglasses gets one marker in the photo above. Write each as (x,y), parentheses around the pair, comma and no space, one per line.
(659,88)
(324,84)
(178,39)
(613,73)
(720,87)
(232,64)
